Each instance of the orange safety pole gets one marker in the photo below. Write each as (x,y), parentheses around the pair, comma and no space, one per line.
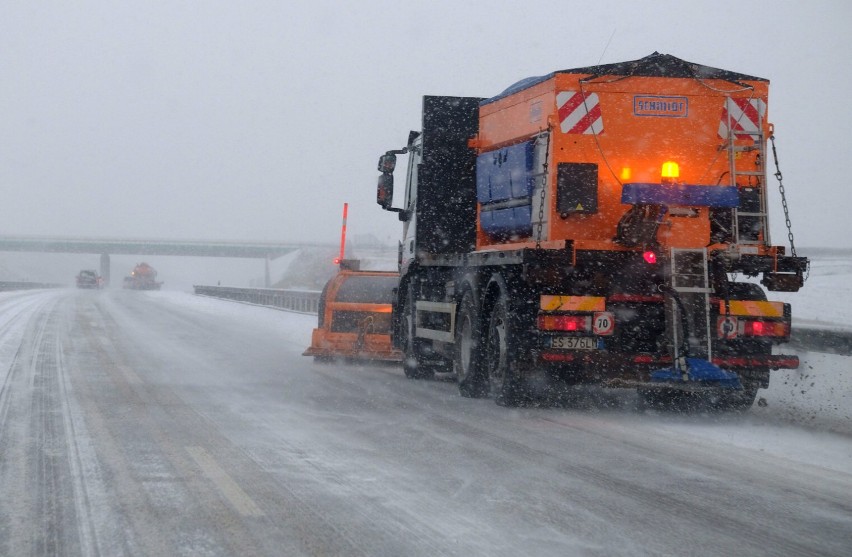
(343,233)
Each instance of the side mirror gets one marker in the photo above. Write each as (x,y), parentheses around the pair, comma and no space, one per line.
(384,190)
(387,163)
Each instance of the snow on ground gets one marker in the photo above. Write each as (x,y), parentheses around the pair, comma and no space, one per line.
(295,327)
(798,418)
(15,312)
(798,410)
(826,299)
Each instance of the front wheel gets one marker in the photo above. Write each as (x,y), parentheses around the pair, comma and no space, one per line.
(419,359)
(411,362)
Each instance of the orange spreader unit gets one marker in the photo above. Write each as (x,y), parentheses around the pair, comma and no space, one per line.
(354,317)
(615,131)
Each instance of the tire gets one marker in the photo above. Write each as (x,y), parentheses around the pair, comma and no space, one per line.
(736,401)
(742,400)
(505,386)
(667,400)
(413,364)
(745,291)
(469,355)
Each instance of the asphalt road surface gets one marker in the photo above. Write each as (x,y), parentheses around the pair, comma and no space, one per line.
(134,425)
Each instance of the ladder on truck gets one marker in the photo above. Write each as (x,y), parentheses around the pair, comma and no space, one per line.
(688,310)
(750,224)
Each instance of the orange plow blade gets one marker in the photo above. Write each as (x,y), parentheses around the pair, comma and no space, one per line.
(354,317)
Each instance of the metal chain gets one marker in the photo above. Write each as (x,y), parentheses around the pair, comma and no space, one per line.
(543,190)
(779,177)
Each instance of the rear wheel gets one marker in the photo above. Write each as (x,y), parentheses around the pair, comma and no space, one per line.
(751,380)
(745,291)
(468,361)
(736,401)
(669,400)
(504,383)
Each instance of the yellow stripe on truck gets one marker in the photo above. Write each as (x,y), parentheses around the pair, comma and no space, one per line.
(753,308)
(573,303)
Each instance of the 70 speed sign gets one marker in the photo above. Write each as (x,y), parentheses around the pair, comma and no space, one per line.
(603,323)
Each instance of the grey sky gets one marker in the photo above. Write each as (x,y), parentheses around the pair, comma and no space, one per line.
(256,120)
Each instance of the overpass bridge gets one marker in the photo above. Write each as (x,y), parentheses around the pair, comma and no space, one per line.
(106,247)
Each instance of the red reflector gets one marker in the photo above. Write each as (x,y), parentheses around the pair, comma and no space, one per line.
(636,298)
(650,257)
(564,322)
(553,357)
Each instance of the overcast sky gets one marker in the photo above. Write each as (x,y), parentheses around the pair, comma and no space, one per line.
(257,120)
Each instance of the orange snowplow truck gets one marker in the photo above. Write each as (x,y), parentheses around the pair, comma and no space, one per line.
(142,277)
(585,227)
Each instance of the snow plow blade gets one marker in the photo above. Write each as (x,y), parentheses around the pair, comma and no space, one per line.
(698,371)
(354,316)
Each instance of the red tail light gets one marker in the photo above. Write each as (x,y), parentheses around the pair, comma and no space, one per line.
(650,257)
(564,322)
(763,329)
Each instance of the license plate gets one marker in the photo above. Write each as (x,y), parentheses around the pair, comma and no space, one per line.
(574,343)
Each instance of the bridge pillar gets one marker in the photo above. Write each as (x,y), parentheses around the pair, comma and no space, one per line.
(266,279)
(105,268)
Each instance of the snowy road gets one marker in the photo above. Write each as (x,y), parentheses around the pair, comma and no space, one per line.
(164,424)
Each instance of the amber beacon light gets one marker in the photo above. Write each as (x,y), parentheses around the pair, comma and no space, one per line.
(670,172)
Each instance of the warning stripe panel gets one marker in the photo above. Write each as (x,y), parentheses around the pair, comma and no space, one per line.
(743,115)
(752,308)
(573,303)
(579,112)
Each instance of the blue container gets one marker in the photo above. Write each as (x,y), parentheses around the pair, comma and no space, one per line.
(513,221)
(505,173)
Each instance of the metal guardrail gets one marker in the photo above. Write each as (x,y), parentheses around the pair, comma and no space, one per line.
(302,301)
(19,285)
(822,340)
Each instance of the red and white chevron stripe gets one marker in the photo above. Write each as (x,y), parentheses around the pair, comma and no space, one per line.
(744,115)
(579,112)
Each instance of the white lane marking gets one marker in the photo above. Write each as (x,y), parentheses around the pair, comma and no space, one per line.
(229,488)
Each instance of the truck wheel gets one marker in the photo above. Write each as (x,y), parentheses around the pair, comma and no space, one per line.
(413,364)
(736,401)
(666,400)
(745,291)
(469,354)
(741,401)
(504,385)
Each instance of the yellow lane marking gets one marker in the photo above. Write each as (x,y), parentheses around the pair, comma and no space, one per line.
(238,498)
